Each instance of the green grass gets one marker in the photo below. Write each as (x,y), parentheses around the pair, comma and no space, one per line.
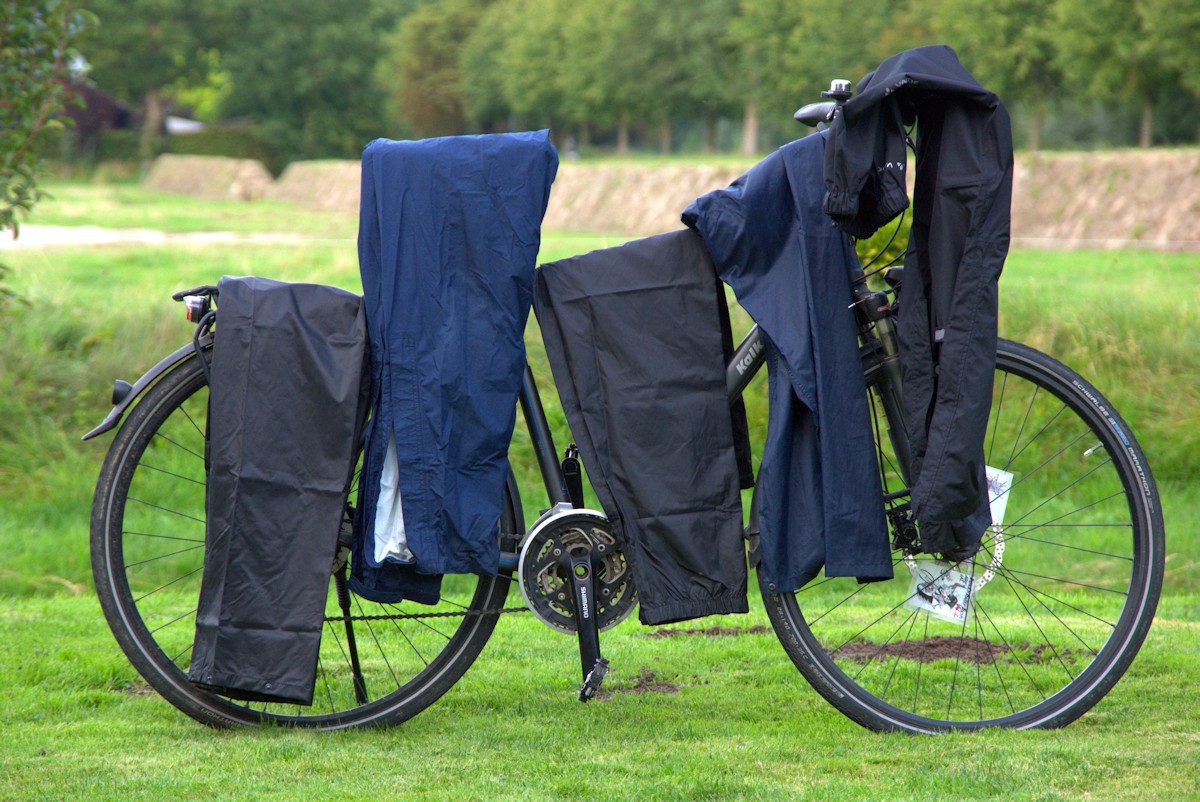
(79,722)
(94,314)
(132,206)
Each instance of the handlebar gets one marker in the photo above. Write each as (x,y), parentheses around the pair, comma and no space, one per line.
(814,114)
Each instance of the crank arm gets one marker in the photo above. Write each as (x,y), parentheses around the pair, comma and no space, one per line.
(580,566)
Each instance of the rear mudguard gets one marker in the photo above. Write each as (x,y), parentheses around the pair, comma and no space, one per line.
(125,394)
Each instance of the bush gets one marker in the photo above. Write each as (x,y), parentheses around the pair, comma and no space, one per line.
(121,146)
(237,143)
(882,245)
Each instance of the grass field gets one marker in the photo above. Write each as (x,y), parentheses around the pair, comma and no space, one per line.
(721,717)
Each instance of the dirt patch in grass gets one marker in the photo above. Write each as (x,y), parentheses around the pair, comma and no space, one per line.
(708,632)
(965,650)
(645,682)
(138,690)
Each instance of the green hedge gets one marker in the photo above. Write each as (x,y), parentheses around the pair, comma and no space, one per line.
(121,146)
(237,143)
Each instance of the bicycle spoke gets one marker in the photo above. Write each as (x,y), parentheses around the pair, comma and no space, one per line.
(1011,538)
(192,421)
(920,664)
(912,618)
(1034,439)
(163,537)
(958,654)
(174,620)
(1052,598)
(164,509)
(422,622)
(1064,490)
(996,417)
(1008,647)
(882,646)
(379,646)
(181,447)
(1021,431)
(162,556)
(324,675)
(182,652)
(1048,460)
(1062,581)
(139,599)
(1038,626)
(172,473)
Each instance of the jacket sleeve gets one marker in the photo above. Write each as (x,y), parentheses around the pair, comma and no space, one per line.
(865,162)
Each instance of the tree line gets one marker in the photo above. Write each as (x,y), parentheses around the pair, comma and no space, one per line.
(321,79)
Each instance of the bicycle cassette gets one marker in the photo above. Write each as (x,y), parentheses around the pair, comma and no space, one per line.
(542,572)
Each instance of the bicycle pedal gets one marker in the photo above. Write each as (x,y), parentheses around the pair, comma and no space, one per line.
(592,682)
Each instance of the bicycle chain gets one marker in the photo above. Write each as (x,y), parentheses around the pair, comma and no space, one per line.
(464,614)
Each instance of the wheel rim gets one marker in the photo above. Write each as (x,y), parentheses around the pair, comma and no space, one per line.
(153,558)
(1068,600)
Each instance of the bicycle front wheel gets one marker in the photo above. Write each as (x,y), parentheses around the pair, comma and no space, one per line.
(147,546)
(1065,586)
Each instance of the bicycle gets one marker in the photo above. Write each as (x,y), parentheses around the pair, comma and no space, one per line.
(1063,591)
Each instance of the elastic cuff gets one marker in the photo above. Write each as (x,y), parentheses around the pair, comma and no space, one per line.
(840,204)
(685,610)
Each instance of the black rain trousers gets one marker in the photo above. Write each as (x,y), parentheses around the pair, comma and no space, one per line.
(288,395)
(637,337)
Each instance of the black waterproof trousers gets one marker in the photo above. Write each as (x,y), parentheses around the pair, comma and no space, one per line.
(637,338)
(286,402)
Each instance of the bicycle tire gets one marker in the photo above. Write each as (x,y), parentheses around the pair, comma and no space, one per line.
(1077,583)
(147,546)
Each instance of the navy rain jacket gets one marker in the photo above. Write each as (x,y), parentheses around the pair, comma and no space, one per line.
(819,485)
(956,250)
(448,239)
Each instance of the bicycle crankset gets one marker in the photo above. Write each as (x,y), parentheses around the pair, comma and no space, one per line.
(545,583)
(575,579)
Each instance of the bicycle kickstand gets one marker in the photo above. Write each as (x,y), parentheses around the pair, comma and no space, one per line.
(580,564)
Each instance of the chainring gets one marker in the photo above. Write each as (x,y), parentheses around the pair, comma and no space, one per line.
(544,583)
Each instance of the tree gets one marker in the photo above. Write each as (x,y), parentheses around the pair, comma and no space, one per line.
(481,85)
(1107,48)
(1176,25)
(1009,45)
(35,41)
(529,62)
(710,64)
(422,71)
(761,31)
(306,72)
(140,48)
(610,74)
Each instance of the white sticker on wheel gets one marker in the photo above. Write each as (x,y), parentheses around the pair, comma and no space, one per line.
(941,590)
(999,483)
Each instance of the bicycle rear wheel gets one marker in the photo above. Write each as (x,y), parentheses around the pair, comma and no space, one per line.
(1077,561)
(147,545)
